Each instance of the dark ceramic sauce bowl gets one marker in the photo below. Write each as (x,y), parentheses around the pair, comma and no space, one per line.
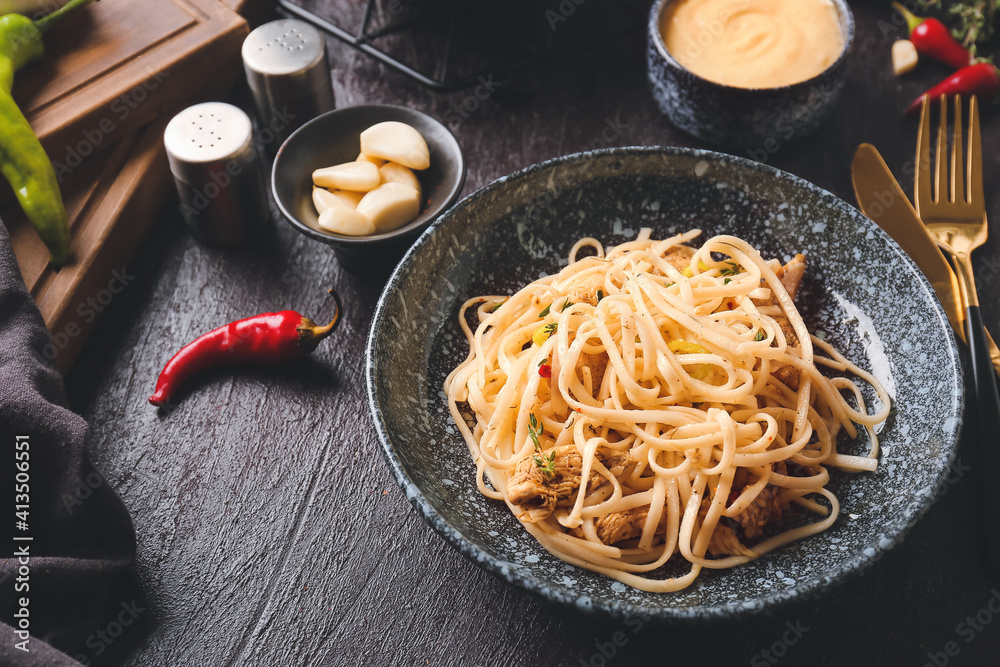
(334,138)
(861,292)
(743,117)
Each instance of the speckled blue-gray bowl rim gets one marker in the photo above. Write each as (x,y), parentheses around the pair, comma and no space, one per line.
(653,29)
(853,566)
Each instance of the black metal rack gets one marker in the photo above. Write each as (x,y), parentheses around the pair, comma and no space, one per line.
(556,29)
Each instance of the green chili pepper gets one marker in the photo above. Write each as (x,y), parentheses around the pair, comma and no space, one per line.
(23,161)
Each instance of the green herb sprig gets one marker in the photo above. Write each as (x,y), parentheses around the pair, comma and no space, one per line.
(545,462)
(731,270)
(534,430)
(974,21)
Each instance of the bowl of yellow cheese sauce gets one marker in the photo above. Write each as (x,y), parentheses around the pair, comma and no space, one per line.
(748,73)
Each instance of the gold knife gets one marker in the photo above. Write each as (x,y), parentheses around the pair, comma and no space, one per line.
(884,202)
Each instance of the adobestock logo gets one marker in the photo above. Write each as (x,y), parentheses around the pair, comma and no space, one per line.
(605,651)
(779,649)
(91,138)
(100,641)
(562,12)
(462,110)
(87,311)
(967,630)
(713,29)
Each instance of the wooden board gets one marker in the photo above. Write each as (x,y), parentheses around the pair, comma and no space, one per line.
(105,76)
(111,210)
(99,101)
(114,66)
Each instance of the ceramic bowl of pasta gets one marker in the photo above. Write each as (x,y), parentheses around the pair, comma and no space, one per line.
(665,382)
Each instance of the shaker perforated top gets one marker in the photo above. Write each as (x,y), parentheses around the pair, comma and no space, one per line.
(207,132)
(285,46)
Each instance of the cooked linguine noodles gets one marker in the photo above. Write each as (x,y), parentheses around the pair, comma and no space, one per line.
(655,402)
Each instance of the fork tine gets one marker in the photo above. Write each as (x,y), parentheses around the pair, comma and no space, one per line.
(976,196)
(957,165)
(940,157)
(922,195)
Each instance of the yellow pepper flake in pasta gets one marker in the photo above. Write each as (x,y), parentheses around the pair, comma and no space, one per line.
(702,266)
(543,333)
(701,372)
(679,346)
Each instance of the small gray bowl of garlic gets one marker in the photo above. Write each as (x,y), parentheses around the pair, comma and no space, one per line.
(367,180)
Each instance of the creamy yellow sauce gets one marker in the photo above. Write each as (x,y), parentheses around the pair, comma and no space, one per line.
(753,43)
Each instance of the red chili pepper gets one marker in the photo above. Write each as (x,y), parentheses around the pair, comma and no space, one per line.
(981,79)
(545,370)
(932,38)
(268,338)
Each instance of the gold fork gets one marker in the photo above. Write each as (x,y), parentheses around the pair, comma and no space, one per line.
(956,218)
(967,206)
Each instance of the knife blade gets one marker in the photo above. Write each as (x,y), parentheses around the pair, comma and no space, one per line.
(883,201)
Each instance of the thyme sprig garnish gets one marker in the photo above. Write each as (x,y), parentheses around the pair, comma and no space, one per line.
(497,305)
(534,430)
(545,462)
(974,20)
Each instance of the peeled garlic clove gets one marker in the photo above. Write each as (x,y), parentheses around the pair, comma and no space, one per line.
(367,158)
(360,176)
(349,198)
(904,56)
(344,220)
(323,199)
(393,172)
(390,205)
(396,142)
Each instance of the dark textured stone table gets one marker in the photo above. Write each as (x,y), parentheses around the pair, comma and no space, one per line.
(270,530)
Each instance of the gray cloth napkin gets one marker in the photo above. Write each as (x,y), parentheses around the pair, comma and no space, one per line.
(67,592)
